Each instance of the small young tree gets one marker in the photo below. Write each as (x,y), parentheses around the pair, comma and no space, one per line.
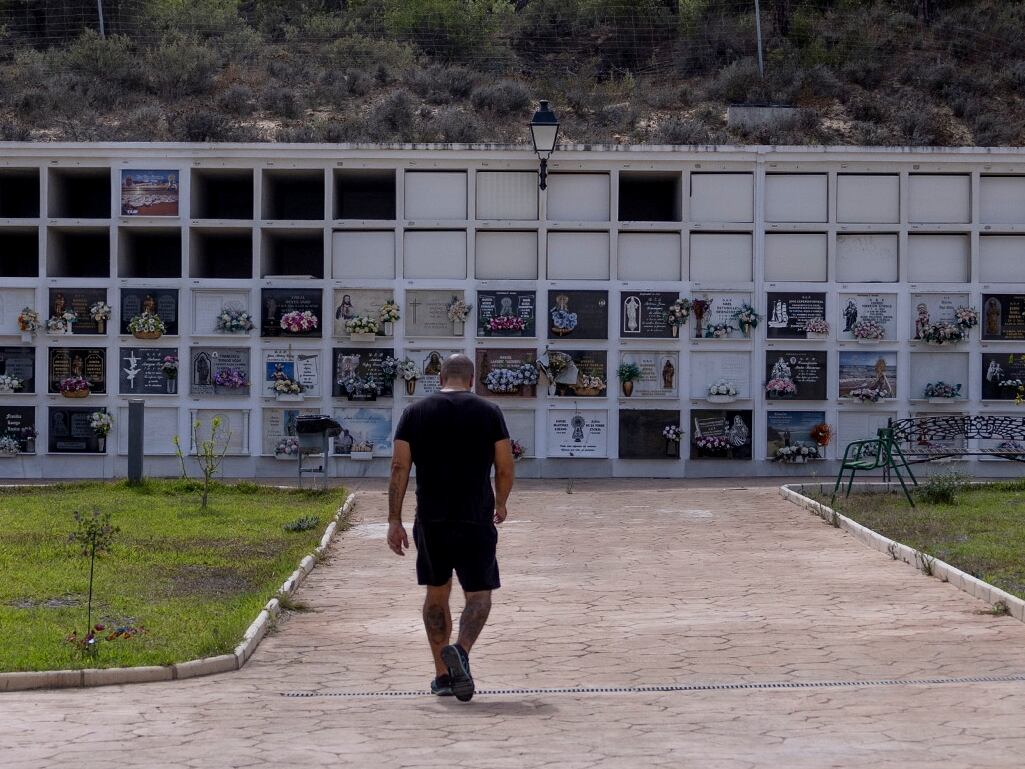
(95,536)
(210,453)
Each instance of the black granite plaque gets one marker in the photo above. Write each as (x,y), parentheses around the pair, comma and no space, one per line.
(361,362)
(641,436)
(645,314)
(506,313)
(731,426)
(805,368)
(162,302)
(20,363)
(69,431)
(15,420)
(87,362)
(141,372)
(1003,316)
(79,300)
(213,370)
(278,302)
(787,313)
(578,314)
(1002,376)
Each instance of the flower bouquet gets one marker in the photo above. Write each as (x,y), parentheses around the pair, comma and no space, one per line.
(234,320)
(678,315)
(296,322)
(718,330)
(388,314)
(9,446)
(74,387)
(506,324)
(589,386)
(101,422)
(169,368)
(816,328)
(1010,384)
(822,434)
(146,326)
(362,450)
(529,374)
(673,435)
(458,312)
(230,379)
(798,453)
(868,331)
(941,392)
(966,317)
(359,389)
(28,323)
(781,388)
(563,322)
(10,384)
(721,391)
(100,312)
(287,389)
(62,322)
(287,448)
(503,381)
(747,318)
(867,394)
(405,369)
(712,445)
(944,333)
(518,451)
(29,435)
(361,328)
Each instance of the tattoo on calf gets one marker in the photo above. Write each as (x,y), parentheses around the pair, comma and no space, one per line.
(436,623)
(475,615)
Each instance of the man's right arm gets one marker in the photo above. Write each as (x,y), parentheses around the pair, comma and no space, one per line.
(505,474)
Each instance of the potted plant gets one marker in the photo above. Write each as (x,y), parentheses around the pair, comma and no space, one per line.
(296,322)
(747,318)
(679,313)
(941,392)
(286,389)
(28,323)
(100,312)
(458,312)
(287,448)
(518,451)
(673,435)
(628,373)
(388,314)
(816,328)
(169,367)
(147,326)
(712,445)
(234,320)
(822,434)
(9,384)
(721,391)
(9,447)
(362,450)
(101,422)
(74,387)
(358,389)
(362,328)
(62,322)
(503,381)
(868,332)
(230,379)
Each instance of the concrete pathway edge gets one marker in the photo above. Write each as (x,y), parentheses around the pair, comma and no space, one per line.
(223,663)
(926,564)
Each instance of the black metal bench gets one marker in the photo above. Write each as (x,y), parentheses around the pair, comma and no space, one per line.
(923,439)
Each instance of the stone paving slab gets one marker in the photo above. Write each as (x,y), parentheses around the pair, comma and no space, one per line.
(619,584)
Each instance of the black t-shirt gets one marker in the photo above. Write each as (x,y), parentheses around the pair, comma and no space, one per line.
(452,436)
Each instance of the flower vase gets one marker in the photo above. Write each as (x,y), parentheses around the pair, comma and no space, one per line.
(362,337)
(288,397)
(26,337)
(799,460)
(101,327)
(628,389)
(30,445)
(75,393)
(458,327)
(672,449)
(410,386)
(675,329)
(101,444)
(171,381)
(745,328)
(389,328)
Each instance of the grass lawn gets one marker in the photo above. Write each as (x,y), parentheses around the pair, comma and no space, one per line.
(194,579)
(982,532)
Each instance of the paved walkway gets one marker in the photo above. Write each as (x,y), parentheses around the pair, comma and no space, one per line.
(620,584)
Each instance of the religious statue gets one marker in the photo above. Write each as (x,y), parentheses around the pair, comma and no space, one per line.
(578,428)
(149,304)
(344,442)
(505,309)
(850,314)
(738,433)
(921,319)
(76,365)
(992,311)
(279,372)
(59,304)
(668,374)
(201,367)
(633,314)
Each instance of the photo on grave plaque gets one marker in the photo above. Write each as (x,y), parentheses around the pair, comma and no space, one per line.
(351,303)
(868,376)
(578,314)
(578,433)
(149,193)
(930,309)
(787,428)
(279,424)
(786,314)
(89,363)
(642,434)
(148,371)
(353,368)
(878,308)
(795,375)
(506,313)
(506,372)
(69,431)
(221,371)
(302,366)
(660,373)
(428,362)
(720,434)
(426,313)
(19,423)
(713,314)
(291,312)
(1003,374)
(162,302)
(18,363)
(581,373)
(1003,317)
(79,301)
(362,425)
(645,314)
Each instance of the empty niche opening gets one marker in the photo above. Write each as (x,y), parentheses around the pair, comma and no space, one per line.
(221,254)
(150,253)
(81,252)
(19,252)
(649,197)
(362,193)
(295,253)
(222,193)
(19,193)
(293,195)
(79,193)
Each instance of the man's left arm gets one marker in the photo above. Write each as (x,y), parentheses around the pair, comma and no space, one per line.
(401,466)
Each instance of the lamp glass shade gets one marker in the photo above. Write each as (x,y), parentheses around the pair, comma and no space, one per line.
(544,136)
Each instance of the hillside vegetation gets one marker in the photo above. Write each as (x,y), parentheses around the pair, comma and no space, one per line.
(881,72)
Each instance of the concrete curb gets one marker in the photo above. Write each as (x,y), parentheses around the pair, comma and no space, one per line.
(899,552)
(223,663)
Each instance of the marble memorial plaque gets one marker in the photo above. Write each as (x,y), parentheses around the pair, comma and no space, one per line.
(426,313)
(149,193)
(578,433)
(927,309)
(881,308)
(208,304)
(87,362)
(280,423)
(303,366)
(641,436)
(660,373)
(428,361)
(721,310)
(645,314)
(215,371)
(79,300)
(162,302)
(578,314)
(277,302)
(506,313)
(352,303)
(708,368)
(141,372)
(520,423)
(787,313)
(20,363)
(591,379)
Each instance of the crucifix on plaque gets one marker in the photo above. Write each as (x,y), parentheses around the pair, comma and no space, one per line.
(413,304)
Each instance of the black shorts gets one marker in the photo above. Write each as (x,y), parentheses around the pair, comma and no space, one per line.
(466,548)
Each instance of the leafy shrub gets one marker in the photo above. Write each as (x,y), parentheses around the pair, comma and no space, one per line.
(180,68)
(368,55)
(110,59)
(738,82)
(678,130)
(281,101)
(305,523)
(439,85)
(917,123)
(238,100)
(503,98)
(457,126)
(393,117)
(448,29)
(208,126)
(943,489)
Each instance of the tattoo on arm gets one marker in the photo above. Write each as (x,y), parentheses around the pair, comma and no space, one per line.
(400,469)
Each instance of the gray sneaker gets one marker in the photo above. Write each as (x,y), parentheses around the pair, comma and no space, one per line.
(442,686)
(458,662)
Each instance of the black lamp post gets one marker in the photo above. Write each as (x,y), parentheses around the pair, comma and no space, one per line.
(544,132)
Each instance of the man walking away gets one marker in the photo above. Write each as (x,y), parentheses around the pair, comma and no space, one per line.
(453,438)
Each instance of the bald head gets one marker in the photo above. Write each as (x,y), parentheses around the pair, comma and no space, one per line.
(457,370)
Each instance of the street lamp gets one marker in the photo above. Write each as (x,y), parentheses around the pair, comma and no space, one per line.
(544,131)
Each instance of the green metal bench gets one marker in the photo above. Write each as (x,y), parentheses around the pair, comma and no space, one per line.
(879,453)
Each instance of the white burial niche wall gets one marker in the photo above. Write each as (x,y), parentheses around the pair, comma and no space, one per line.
(583,273)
